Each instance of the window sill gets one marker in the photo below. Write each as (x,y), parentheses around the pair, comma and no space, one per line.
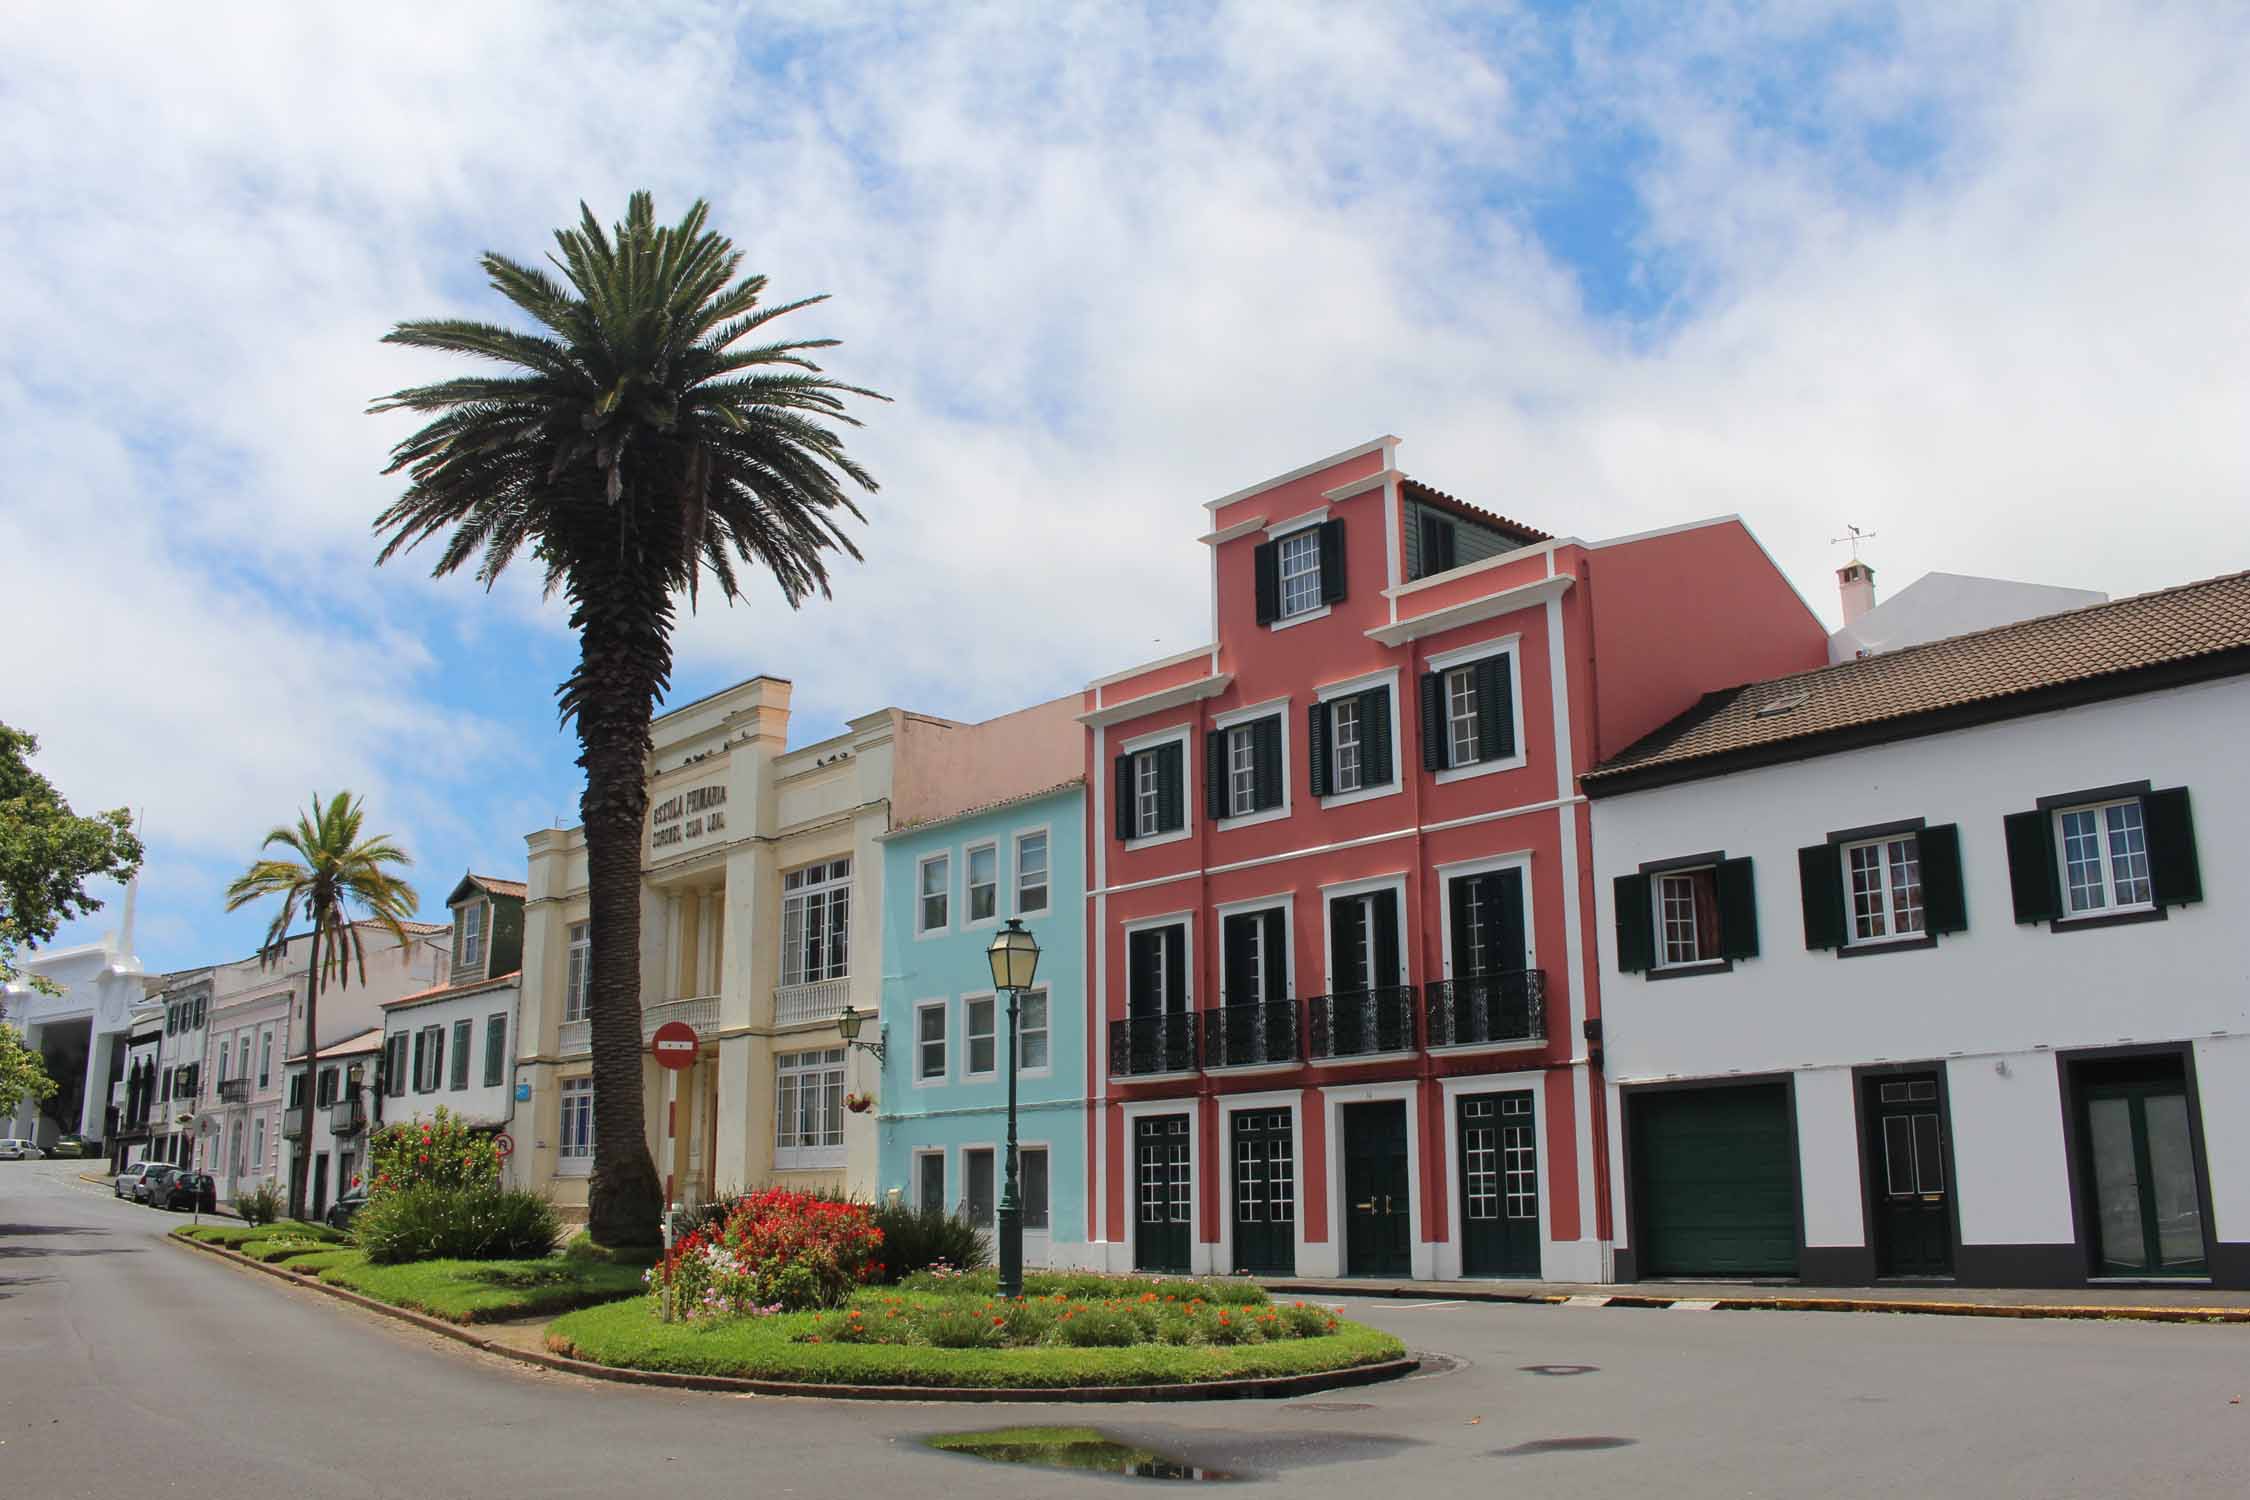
(2111,918)
(575,1166)
(1689,971)
(1153,840)
(832,1162)
(1364,794)
(1471,772)
(1252,820)
(1306,618)
(1873,946)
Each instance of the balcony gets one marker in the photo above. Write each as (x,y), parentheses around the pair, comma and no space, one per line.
(234,1091)
(702,1013)
(347,1116)
(293,1122)
(1247,1036)
(1360,1023)
(1146,1046)
(1488,1010)
(576,1038)
(822,1000)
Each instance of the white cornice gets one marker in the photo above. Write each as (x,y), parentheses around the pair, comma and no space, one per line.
(1157,702)
(1373,445)
(1507,601)
(1228,534)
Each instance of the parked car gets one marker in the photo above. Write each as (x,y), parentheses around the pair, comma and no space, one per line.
(144,1191)
(81,1146)
(341,1213)
(186,1190)
(16,1148)
(127,1184)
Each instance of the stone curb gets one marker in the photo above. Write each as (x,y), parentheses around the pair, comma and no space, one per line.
(1273,1387)
(2141,1313)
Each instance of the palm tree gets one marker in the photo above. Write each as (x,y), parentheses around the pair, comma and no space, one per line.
(631,445)
(334,869)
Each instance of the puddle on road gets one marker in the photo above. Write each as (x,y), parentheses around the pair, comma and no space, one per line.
(1083,1448)
(1564,1445)
(1559,1369)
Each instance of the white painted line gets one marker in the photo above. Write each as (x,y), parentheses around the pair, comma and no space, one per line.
(1585,1302)
(1692,1304)
(1426,1306)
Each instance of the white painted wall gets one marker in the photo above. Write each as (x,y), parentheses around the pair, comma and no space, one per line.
(479,1103)
(1938,605)
(2011,1176)
(1828,1158)
(2222,1077)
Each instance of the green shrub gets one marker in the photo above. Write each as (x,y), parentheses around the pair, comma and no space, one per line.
(964,1327)
(261,1205)
(1100,1328)
(916,1239)
(456,1223)
(1091,1286)
(442,1151)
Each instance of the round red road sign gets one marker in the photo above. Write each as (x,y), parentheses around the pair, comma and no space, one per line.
(674,1045)
(505,1144)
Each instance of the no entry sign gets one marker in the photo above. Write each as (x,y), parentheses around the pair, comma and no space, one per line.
(674,1045)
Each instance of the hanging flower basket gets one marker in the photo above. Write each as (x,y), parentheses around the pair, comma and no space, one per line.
(859,1104)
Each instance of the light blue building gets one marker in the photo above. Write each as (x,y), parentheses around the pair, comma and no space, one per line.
(942,1114)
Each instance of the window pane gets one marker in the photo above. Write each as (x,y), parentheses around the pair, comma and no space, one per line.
(2128,855)
(933,1042)
(1031,873)
(1031,1030)
(1905,859)
(1300,572)
(1461,715)
(1031,1186)
(2082,860)
(1344,744)
(1687,909)
(981,1204)
(1147,803)
(981,1050)
(984,883)
(936,875)
(930,1191)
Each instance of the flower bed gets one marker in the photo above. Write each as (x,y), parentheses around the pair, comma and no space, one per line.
(775,1251)
(936,1339)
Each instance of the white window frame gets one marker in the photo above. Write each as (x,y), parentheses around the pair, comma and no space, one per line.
(1272,708)
(824,1155)
(943,858)
(1387,678)
(574,1151)
(1047,1002)
(1154,740)
(969,1004)
(472,934)
(828,887)
(1024,1150)
(1282,901)
(1656,881)
(1047,875)
(1445,662)
(945,1175)
(1297,573)
(1277,533)
(1330,894)
(969,920)
(2104,859)
(1185,921)
(1239,742)
(999,1177)
(265,1058)
(1886,907)
(922,1078)
(578,971)
(1469,869)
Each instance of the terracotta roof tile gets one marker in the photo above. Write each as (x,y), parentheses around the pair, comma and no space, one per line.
(1984,667)
(440,992)
(499,887)
(1431,495)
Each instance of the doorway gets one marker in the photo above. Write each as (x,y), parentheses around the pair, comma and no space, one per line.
(1162,1193)
(2138,1168)
(1377,1197)
(1905,1144)
(1265,1193)
(1499,1184)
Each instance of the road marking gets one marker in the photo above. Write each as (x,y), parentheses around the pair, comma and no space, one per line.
(1691,1304)
(1583,1301)
(1426,1306)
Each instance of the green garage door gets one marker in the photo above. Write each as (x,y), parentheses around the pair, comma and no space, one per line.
(1717,1182)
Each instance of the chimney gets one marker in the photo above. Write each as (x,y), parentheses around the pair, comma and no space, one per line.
(1855,580)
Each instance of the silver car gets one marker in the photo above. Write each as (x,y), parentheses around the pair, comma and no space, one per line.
(127,1184)
(15,1148)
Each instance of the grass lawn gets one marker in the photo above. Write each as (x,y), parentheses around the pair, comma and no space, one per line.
(485,1291)
(235,1236)
(628,1334)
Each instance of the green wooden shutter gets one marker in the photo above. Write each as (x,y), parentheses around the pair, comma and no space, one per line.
(1738,909)
(1496,709)
(1276,940)
(1462,894)
(1171,787)
(1386,941)
(1144,970)
(1945,905)
(1375,766)
(1331,561)
(2173,868)
(1316,749)
(421,1057)
(1510,946)
(1820,877)
(1636,924)
(1215,775)
(1347,929)
(1122,786)
(1175,968)
(1236,935)
(1437,746)
(2033,881)
(1265,563)
(1265,751)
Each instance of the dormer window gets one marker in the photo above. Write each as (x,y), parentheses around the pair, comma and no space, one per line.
(468,935)
(1300,572)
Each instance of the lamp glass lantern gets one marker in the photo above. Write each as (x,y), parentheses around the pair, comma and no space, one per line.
(1014,955)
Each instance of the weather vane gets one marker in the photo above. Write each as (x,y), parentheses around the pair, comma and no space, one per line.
(1857,536)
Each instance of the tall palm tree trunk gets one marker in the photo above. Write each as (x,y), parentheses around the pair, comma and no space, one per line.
(299,1181)
(627,659)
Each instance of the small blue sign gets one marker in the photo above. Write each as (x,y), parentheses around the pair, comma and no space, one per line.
(523,1092)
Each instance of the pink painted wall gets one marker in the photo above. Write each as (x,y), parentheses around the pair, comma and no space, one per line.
(939,769)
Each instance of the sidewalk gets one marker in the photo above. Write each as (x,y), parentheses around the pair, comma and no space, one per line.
(2166,1304)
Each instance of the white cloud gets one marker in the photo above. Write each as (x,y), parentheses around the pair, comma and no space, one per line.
(1108,269)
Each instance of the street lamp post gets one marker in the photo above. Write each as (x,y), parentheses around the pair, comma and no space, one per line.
(1015,960)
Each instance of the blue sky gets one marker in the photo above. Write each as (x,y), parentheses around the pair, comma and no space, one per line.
(1969,276)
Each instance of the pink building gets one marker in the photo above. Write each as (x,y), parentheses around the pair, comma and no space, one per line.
(1340,881)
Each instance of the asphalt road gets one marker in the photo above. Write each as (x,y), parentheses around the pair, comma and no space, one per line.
(130,1367)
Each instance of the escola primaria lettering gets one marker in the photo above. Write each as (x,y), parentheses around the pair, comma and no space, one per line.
(671,821)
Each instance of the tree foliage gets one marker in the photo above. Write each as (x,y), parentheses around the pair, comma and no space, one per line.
(642,432)
(23,1075)
(48,853)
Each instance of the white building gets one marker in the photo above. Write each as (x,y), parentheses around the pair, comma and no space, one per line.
(81,1032)
(185,995)
(1938,605)
(334,1134)
(1930,964)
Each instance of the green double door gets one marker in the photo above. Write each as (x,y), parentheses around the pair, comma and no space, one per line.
(1264,1192)
(1499,1147)
(2139,1171)
(1163,1195)
(1377,1198)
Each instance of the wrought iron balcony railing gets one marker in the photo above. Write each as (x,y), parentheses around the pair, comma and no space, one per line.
(1143,1045)
(347,1116)
(1510,1006)
(234,1091)
(1243,1036)
(1360,1023)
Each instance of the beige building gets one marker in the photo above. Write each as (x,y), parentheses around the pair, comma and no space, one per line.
(761,892)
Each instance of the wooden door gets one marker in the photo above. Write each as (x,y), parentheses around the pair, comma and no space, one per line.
(1264,1193)
(1906,1165)
(1163,1193)
(1499,1184)
(1377,1198)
